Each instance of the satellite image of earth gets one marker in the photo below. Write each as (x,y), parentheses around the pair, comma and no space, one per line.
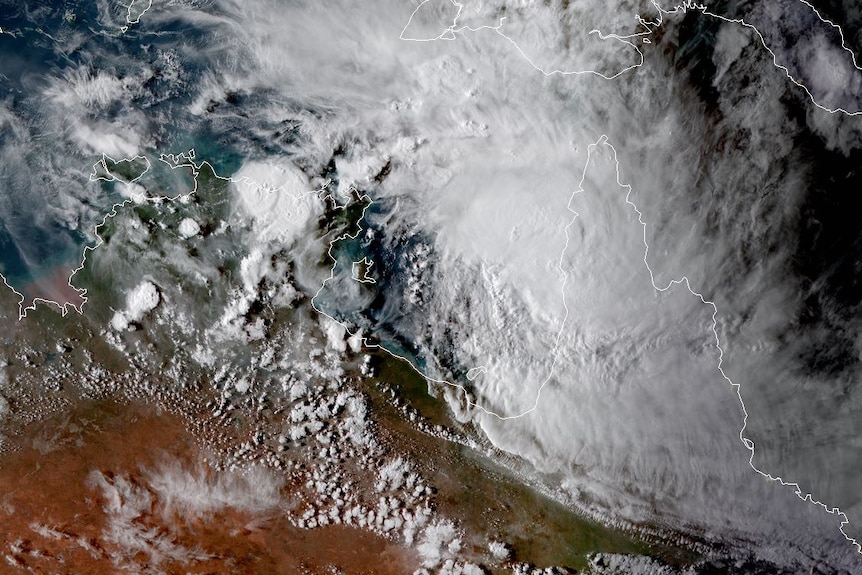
(430,287)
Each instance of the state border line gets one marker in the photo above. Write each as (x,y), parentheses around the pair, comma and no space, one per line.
(649,27)
(451,31)
(683,280)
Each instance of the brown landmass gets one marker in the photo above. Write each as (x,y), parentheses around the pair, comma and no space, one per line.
(53,287)
(84,494)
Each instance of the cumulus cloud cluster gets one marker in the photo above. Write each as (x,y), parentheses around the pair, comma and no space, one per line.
(147,517)
(482,164)
(474,144)
(140,301)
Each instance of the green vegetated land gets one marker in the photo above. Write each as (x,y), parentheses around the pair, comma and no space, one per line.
(490,502)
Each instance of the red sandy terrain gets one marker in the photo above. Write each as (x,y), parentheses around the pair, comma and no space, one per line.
(120,489)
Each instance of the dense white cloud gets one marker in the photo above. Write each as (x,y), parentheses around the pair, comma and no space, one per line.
(278,199)
(140,301)
(486,151)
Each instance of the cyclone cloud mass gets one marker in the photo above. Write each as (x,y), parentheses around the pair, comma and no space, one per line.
(500,169)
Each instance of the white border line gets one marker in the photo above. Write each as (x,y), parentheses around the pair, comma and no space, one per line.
(363,278)
(186,160)
(136,19)
(475,371)
(649,26)
(449,34)
(453,29)
(748,443)
(65,306)
(173,161)
(742,22)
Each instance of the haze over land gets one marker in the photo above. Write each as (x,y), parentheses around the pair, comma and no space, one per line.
(521,181)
